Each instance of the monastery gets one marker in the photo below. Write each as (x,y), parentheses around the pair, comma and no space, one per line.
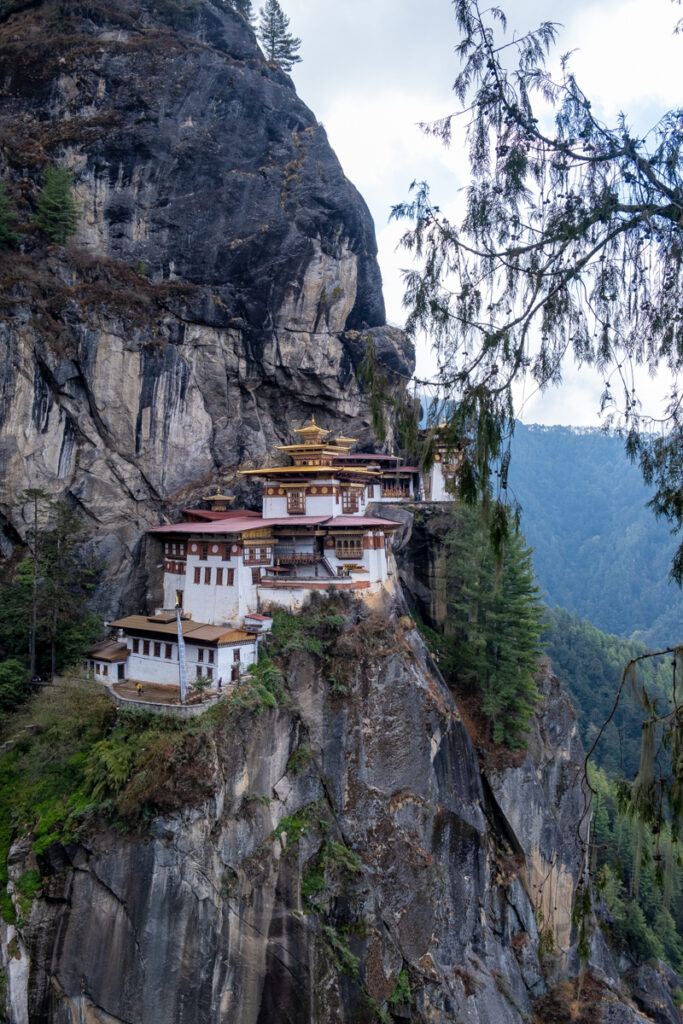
(224,568)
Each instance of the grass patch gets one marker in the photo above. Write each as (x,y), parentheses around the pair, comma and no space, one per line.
(309,631)
(299,759)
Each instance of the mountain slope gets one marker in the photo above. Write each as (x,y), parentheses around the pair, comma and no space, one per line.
(598,550)
(219,288)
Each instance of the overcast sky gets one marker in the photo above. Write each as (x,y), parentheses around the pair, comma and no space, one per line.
(373,69)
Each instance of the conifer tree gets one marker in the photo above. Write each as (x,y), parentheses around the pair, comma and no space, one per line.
(57,213)
(494,625)
(7,235)
(279,45)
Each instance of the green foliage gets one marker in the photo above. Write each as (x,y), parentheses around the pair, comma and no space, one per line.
(279,45)
(73,758)
(598,550)
(343,957)
(308,631)
(646,917)
(299,759)
(297,825)
(61,578)
(492,645)
(13,678)
(56,210)
(27,887)
(8,236)
(571,235)
(260,688)
(402,991)
(590,664)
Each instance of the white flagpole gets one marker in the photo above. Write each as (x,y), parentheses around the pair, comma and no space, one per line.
(182,666)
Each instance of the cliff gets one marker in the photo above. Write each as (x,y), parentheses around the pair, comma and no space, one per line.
(222,284)
(349,862)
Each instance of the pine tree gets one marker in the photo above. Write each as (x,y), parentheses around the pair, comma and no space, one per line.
(279,45)
(7,235)
(493,625)
(57,213)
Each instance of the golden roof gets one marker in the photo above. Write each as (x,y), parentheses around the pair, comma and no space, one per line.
(219,497)
(192,631)
(328,471)
(312,432)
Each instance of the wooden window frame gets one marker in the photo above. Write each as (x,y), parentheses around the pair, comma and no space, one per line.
(197,574)
(157,648)
(296,502)
(230,581)
(136,645)
(169,652)
(219,577)
(207,576)
(145,648)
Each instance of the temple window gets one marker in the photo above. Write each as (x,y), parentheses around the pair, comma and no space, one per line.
(236,654)
(349,547)
(211,656)
(219,577)
(200,654)
(231,577)
(296,502)
(207,577)
(169,652)
(145,647)
(255,576)
(136,646)
(350,503)
(157,649)
(197,575)
(203,551)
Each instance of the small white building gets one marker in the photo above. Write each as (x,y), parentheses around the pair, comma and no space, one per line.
(146,650)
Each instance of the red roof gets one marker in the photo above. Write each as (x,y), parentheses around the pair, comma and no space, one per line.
(238,524)
(259,618)
(366,521)
(205,513)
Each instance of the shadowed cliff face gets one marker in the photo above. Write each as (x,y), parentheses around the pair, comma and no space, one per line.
(222,284)
(244,909)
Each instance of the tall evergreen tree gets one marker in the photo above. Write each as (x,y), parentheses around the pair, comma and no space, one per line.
(7,236)
(494,625)
(57,213)
(279,45)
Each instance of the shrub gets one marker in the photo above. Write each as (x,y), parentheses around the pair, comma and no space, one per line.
(13,679)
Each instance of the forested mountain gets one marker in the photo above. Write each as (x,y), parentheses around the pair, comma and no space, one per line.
(598,549)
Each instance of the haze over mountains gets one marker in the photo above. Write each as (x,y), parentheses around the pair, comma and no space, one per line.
(598,549)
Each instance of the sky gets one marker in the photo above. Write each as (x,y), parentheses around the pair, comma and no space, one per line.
(373,69)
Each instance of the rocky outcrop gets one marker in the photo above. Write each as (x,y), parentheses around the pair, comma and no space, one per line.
(371,872)
(349,865)
(222,285)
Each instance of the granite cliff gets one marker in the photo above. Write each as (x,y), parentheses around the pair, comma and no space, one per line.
(338,857)
(222,284)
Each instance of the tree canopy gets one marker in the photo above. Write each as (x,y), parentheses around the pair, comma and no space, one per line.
(570,244)
(279,45)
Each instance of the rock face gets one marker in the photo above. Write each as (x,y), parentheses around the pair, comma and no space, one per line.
(350,865)
(213,916)
(222,285)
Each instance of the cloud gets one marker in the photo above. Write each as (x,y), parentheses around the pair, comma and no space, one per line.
(372,69)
